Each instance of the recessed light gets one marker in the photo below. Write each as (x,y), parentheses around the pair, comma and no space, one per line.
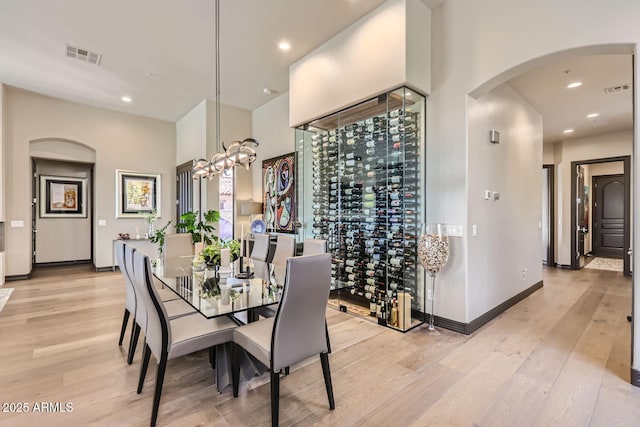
(284,45)
(567,131)
(574,85)
(126,99)
(592,115)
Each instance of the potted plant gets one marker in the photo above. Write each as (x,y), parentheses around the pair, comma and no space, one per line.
(158,237)
(211,253)
(200,230)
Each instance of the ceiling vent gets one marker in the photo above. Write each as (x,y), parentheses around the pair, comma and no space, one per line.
(617,88)
(82,54)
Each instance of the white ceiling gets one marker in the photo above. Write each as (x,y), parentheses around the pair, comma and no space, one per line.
(545,88)
(173,40)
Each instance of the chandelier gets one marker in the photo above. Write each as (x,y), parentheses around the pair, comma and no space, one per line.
(239,153)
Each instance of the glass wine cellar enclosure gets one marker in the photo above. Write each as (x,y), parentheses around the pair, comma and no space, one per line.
(360,187)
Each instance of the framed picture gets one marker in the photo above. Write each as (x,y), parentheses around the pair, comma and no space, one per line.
(62,197)
(137,193)
(278,193)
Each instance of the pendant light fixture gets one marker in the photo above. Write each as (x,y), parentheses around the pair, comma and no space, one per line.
(239,153)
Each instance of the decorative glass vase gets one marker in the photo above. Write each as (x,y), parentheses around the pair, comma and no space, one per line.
(433,253)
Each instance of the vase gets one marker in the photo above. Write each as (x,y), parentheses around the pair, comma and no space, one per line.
(433,253)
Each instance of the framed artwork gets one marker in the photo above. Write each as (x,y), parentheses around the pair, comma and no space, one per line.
(137,193)
(278,194)
(62,197)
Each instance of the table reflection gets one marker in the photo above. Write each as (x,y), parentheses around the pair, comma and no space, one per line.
(218,293)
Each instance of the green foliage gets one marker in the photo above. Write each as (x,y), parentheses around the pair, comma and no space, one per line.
(211,253)
(158,237)
(200,230)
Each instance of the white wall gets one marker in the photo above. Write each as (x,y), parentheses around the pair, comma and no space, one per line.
(2,179)
(511,168)
(121,141)
(479,45)
(270,124)
(389,45)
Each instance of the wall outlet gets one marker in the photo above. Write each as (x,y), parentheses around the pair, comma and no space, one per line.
(17,224)
(524,273)
(429,294)
(496,195)
(102,222)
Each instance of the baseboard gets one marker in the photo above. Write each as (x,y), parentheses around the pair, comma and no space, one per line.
(107,268)
(16,277)
(635,377)
(563,266)
(471,327)
(475,324)
(63,263)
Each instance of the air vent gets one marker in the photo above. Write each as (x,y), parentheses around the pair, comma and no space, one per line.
(617,88)
(83,54)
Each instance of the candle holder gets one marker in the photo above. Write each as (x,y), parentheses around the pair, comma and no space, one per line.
(433,252)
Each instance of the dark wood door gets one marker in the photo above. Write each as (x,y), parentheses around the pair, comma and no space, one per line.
(608,239)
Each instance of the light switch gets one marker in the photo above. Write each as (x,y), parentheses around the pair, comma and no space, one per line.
(474,229)
(102,222)
(17,224)
(455,231)
(487,194)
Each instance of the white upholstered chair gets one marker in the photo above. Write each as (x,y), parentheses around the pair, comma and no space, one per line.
(178,244)
(314,247)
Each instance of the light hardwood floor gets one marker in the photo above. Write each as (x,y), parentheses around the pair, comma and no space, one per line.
(560,357)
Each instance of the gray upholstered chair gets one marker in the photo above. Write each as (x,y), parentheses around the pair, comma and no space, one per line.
(175,307)
(130,296)
(285,248)
(297,332)
(314,247)
(178,244)
(170,338)
(258,257)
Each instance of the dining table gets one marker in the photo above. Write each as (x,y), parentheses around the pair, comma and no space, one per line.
(214,292)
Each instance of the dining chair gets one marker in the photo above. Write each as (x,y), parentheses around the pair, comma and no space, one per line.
(130,296)
(285,248)
(314,247)
(260,249)
(297,332)
(168,338)
(178,244)
(175,307)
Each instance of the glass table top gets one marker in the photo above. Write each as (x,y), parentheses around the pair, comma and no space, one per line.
(225,295)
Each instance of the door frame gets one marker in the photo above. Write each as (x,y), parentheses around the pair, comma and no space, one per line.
(627,208)
(551,188)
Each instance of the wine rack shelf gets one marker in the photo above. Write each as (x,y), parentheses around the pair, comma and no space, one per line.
(362,173)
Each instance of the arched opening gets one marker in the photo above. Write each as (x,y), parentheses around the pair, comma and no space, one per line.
(62,207)
(532,137)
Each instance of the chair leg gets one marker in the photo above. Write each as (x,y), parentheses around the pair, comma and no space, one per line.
(212,357)
(236,360)
(162,366)
(145,365)
(135,334)
(275,398)
(326,328)
(286,370)
(125,320)
(324,359)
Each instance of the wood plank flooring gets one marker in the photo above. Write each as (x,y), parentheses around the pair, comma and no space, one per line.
(560,357)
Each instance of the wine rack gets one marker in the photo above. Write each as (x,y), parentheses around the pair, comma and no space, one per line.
(365,170)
